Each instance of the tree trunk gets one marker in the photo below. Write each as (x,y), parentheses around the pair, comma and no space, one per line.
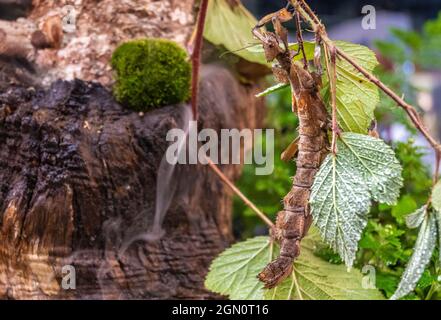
(79,173)
(78,177)
(65,39)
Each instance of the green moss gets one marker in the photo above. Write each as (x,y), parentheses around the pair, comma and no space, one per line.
(151,73)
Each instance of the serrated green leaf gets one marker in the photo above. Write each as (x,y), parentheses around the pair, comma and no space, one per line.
(340,201)
(436,196)
(315,279)
(229,24)
(422,253)
(234,272)
(377,162)
(364,168)
(426,279)
(272,89)
(356,96)
(415,219)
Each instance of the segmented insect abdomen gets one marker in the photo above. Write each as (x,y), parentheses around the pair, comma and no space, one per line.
(294,221)
(313,147)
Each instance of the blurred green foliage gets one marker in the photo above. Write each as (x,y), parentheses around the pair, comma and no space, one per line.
(268,191)
(387,243)
(407,51)
(422,48)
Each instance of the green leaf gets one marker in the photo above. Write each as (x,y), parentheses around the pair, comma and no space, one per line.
(315,279)
(433,27)
(387,281)
(340,202)
(436,196)
(422,253)
(426,280)
(377,162)
(356,96)
(391,50)
(308,47)
(409,38)
(364,169)
(414,220)
(272,89)
(234,273)
(229,24)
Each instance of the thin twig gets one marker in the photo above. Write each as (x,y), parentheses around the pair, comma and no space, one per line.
(196,56)
(196,61)
(317,54)
(330,60)
(410,110)
(301,48)
(307,9)
(437,167)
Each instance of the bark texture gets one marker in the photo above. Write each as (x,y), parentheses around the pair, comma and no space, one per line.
(68,39)
(77,182)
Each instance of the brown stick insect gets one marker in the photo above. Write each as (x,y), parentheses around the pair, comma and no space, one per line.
(295,219)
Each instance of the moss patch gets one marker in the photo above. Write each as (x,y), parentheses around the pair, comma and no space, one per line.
(151,73)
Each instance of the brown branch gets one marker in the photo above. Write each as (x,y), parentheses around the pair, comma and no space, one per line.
(335,128)
(437,167)
(410,110)
(330,60)
(305,11)
(301,48)
(302,4)
(196,56)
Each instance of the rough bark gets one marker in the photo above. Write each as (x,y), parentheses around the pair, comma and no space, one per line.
(77,180)
(66,39)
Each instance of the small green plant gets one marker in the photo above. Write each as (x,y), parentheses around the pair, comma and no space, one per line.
(151,73)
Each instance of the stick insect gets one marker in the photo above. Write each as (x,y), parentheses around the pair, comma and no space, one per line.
(294,220)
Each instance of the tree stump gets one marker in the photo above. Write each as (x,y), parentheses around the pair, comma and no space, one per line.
(75,39)
(78,177)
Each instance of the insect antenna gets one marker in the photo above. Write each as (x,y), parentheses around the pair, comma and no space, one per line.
(290,8)
(237,50)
